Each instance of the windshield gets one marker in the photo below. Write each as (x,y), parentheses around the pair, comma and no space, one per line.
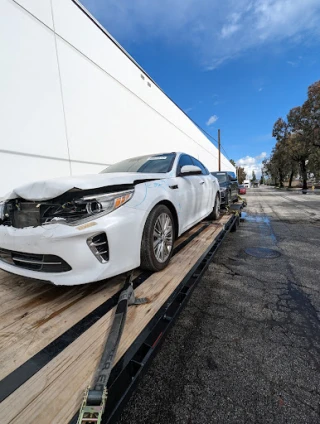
(158,164)
(222,177)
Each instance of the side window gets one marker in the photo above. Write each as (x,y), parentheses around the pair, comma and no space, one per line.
(184,160)
(204,170)
(231,175)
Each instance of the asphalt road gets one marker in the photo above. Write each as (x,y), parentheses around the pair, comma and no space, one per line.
(246,349)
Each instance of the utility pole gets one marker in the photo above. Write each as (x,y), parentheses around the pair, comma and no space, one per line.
(219,148)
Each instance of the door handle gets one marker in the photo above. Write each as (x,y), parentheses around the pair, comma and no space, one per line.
(201,182)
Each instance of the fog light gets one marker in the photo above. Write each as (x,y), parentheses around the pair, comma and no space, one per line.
(98,245)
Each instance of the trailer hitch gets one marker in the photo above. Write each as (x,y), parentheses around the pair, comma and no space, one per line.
(94,400)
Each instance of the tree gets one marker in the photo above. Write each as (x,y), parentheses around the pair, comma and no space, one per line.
(233,163)
(300,140)
(298,137)
(297,142)
(282,160)
(314,164)
(253,176)
(311,109)
(271,170)
(241,174)
(304,131)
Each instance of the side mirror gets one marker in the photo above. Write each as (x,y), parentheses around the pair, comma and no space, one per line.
(233,179)
(190,170)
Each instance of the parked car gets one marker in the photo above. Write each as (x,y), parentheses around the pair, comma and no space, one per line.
(242,189)
(76,230)
(228,186)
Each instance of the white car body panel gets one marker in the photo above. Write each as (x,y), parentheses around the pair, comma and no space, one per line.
(192,197)
(49,189)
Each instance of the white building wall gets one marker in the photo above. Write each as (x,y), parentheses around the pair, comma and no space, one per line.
(31,113)
(73,101)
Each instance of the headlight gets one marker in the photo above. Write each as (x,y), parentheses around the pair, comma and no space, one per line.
(106,203)
(88,208)
(223,188)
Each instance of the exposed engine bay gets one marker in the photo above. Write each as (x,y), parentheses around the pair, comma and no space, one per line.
(70,208)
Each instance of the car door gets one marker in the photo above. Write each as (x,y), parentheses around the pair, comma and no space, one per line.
(206,200)
(190,190)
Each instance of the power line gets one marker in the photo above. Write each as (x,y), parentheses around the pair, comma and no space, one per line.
(202,130)
(225,153)
(101,28)
(207,134)
(210,136)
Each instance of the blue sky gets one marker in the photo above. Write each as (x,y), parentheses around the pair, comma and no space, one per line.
(236,66)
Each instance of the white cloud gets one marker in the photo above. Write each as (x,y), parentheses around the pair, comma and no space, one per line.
(262,155)
(250,164)
(207,28)
(212,120)
(296,62)
(228,30)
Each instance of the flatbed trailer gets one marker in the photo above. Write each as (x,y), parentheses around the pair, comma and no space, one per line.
(52,337)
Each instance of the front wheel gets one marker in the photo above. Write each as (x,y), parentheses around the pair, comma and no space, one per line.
(157,239)
(215,214)
(227,199)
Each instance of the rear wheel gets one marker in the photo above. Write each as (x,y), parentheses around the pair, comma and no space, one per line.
(215,214)
(157,239)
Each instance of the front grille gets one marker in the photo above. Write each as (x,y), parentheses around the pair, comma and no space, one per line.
(99,247)
(34,262)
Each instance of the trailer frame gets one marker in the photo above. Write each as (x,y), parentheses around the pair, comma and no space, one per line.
(127,373)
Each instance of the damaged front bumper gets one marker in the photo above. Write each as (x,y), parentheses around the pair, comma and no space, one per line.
(44,252)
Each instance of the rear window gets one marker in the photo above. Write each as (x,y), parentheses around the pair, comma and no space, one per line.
(221,176)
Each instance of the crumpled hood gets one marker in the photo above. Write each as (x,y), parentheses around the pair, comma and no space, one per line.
(49,189)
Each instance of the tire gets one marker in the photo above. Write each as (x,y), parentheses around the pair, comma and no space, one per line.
(156,256)
(215,214)
(228,199)
(235,225)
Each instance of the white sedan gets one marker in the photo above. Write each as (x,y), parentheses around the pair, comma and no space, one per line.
(76,230)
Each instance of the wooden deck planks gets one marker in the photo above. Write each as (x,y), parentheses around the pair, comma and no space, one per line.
(33,313)
(53,394)
(39,320)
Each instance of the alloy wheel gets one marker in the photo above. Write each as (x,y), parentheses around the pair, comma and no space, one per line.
(162,237)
